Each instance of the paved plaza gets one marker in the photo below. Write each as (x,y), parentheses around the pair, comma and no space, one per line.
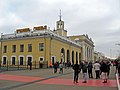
(45,79)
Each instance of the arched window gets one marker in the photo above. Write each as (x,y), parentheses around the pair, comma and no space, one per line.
(76,57)
(72,57)
(68,56)
(13,60)
(79,57)
(29,59)
(21,60)
(4,60)
(62,55)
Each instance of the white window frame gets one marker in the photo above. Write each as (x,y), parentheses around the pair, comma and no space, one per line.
(30,49)
(6,59)
(41,48)
(41,61)
(54,58)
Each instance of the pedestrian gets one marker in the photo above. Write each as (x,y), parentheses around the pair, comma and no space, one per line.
(69,64)
(61,68)
(65,65)
(119,69)
(116,65)
(97,69)
(90,66)
(31,65)
(55,67)
(104,70)
(84,70)
(108,68)
(50,64)
(76,72)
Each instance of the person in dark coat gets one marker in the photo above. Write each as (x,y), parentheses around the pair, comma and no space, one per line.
(30,65)
(104,70)
(76,72)
(90,66)
(119,69)
(116,65)
(55,67)
(108,66)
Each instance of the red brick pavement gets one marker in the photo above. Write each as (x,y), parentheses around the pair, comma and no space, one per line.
(57,81)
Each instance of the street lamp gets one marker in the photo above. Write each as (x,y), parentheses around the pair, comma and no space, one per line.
(118,45)
(111,53)
(118,52)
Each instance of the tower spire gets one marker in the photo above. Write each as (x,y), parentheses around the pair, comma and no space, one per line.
(60,15)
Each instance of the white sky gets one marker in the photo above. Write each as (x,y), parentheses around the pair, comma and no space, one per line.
(100,19)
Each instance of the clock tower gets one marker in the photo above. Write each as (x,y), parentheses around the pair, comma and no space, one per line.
(60,27)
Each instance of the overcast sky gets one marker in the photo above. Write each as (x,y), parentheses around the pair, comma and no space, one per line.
(100,19)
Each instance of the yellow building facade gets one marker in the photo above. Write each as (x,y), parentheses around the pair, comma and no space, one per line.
(40,45)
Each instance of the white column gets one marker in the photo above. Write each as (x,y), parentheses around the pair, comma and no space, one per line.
(83,51)
(87,53)
(92,53)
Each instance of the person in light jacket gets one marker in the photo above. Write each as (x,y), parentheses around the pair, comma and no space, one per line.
(97,69)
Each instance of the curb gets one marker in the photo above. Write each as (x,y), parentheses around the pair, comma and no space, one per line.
(118,84)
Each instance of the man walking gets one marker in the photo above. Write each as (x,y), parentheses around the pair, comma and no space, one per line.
(90,66)
(31,65)
(76,72)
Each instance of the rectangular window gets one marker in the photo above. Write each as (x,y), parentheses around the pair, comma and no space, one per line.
(5,49)
(13,48)
(29,47)
(21,48)
(41,46)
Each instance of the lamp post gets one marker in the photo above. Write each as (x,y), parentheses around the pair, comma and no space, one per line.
(118,45)
(111,53)
(118,52)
